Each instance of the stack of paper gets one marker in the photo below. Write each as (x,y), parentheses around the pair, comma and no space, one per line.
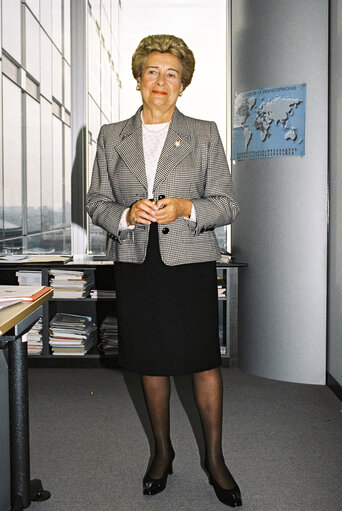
(70,283)
(29,277)
(34,339)
(108,344)
(71,334)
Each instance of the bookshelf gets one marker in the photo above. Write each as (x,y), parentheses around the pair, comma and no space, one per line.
(98,308)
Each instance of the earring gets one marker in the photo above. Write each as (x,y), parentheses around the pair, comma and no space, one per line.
(181,93)
(138,87)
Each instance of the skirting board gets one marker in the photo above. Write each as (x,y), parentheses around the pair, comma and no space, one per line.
(334,386)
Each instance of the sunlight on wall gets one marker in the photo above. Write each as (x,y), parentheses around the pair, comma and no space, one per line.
(202,25)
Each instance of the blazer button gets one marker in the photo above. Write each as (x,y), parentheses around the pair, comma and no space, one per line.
(160,197)
(165,230)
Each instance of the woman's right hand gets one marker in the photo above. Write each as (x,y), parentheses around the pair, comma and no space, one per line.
(141,212)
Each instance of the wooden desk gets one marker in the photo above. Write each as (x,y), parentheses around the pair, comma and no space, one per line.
(15,315)
(14,322)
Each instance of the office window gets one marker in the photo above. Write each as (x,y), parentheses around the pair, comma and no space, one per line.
(103,87)
(106,76)
(95,10)
(57,81)
(67,86)
(68,172)
(115,99)
(94,52)
(94,119)
(32,46)
(115,7)
(106,32)
(32,87)
(66,31)
(2,235)
(33,159)
(56,108)
(36,143)
(46,65)
(46,164)
(46,16)
(57,172)
(12,156)
(57,23)
(11,28)
(10,69)
(34,6)
(67,118)
(36,74)
(106,7)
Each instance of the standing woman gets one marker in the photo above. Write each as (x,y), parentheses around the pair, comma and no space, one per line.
(160,186)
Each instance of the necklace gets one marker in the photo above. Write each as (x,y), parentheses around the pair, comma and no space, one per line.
(164,126)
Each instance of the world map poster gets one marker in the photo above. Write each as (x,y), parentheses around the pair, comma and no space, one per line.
(269,122)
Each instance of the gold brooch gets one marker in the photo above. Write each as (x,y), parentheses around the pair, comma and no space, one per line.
(178,142)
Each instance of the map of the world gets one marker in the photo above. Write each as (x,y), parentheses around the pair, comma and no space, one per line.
(269,122)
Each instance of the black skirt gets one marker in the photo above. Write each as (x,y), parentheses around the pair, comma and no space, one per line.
(167,315)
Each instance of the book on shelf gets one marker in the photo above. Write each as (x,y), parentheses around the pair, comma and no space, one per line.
(71,334)
(29,277)
(71,283)
(66,320)
(34,339)
(109,294)
(22,293)
(84,343)
(221,286)
(67,352)
(69,293)
(108,344)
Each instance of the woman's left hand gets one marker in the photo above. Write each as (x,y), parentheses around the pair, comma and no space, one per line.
(171,208)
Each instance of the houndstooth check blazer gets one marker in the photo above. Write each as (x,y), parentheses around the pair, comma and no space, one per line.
(192,165)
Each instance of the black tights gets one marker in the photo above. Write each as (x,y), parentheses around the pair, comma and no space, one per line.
(208,391)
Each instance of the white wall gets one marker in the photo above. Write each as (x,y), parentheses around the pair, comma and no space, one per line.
(202,25)
(335,166)
(281,231)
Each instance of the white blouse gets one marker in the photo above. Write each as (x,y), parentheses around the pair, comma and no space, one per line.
(153,136)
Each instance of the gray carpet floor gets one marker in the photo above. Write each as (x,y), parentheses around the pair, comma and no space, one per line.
(90,443)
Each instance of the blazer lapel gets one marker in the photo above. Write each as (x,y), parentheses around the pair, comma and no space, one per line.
(177,146)
(130,149)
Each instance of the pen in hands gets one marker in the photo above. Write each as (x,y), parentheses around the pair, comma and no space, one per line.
(166,210)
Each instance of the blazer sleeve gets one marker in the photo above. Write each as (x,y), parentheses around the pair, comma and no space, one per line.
(218,206)
(100,202)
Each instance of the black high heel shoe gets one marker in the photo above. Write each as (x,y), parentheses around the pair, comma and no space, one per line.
(231,497)
(153,486)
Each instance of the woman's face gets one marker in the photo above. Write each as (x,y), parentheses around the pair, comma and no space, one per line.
(161,80)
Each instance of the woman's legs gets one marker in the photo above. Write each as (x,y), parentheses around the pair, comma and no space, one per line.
(157,397)
(208,391)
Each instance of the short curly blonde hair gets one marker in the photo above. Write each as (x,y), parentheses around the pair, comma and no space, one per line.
(165,44)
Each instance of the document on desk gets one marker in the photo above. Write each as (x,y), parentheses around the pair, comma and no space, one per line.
(3,305)
(22,293)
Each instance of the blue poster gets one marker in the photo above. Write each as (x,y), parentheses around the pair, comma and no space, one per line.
(269,122)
